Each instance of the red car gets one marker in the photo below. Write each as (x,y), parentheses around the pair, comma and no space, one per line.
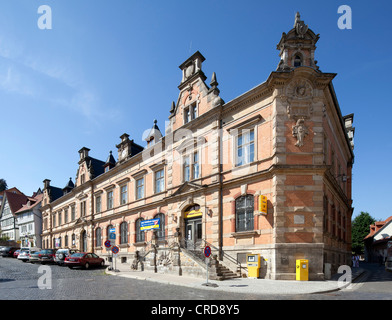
(16,253)
(84,259)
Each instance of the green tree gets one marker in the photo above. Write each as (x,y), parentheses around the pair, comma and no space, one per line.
(360,228)
(3,185)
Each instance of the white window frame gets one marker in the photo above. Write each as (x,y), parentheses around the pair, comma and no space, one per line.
(236,133)
(137,187)
(161,181)
(109,198)
(122,193)
(191,112)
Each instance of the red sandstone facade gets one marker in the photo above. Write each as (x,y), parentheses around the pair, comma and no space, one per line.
(284,139)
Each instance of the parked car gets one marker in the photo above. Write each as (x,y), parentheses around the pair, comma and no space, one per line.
(388,264)
(61,254)
(47,255)
(25,252)
(34,256)
(16,253)
(84,259)
(7,251)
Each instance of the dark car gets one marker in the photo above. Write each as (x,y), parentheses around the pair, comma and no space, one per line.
(8,251)
(47,255)
(61,254)
(84,259)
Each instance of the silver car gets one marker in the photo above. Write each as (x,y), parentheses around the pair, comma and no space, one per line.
(34,256)
(24,254)
(61,254)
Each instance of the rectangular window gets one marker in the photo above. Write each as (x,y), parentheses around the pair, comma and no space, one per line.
(244,207)
(65,215)
(110,200)
(187,115)
(98,204)
(140,188)
(73,213)
(194,112)
(83,209)
(159,181)
(195,165)
(59,216)
(245,147)
(186,168)
(190,113)
(123,195)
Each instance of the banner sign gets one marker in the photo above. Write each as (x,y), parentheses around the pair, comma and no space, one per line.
(193,214)
(150,224)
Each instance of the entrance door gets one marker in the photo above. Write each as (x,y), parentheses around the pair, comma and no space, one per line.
(193,233)
(84,241)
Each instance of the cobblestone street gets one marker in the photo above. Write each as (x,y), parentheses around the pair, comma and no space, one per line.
(20,281)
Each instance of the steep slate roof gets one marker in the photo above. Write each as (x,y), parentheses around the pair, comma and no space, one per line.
(96,165)
(55,193)
(110,160)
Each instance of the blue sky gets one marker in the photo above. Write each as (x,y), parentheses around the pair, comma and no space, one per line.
(110,67)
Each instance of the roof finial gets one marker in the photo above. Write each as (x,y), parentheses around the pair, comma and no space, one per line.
(297,19)
(300,27)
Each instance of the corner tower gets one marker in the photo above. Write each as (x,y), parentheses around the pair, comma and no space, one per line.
(297,47)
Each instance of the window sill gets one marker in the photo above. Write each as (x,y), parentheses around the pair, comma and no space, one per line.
(139,244)
(244,234)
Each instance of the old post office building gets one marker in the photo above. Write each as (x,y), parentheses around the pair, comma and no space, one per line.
(268,172)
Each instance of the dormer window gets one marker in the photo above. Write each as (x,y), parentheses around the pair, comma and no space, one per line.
(297,61)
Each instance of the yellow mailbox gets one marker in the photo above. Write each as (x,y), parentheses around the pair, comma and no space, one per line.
(302,270)
(253,263)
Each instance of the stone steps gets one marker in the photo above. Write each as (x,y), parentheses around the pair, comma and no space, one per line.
(217,271)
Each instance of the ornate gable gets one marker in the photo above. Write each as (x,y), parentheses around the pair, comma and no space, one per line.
(195,97)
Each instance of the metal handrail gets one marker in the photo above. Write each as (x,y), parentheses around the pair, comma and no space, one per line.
(192,248)
(227,256)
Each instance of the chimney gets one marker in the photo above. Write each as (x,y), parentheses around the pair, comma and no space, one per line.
(46,184)
(83,153)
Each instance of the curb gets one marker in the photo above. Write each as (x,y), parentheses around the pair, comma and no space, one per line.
(224,289)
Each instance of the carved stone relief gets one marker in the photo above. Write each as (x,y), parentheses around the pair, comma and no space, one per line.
(299,99)
(299,132)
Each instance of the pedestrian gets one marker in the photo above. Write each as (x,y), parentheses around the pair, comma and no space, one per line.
(357,261)
(353,261)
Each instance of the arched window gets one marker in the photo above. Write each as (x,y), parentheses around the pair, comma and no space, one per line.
(98,237)
(108,230)
(297,61)
(244,207)
(139,233)
(124,232)
(161,232)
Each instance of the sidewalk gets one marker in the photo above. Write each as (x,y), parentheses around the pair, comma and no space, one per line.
(239,285)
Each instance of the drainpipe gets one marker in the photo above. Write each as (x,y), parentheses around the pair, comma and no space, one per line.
(92,218)
(220,188)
